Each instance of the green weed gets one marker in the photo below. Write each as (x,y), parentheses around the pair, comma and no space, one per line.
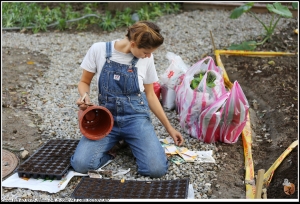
(27,15)
(277,11)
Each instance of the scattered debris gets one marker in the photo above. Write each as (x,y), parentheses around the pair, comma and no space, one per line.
(289,188)
(24,154)
(179,155)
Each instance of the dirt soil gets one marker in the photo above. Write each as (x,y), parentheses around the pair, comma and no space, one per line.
(20,69)
(272,92)
(273,117)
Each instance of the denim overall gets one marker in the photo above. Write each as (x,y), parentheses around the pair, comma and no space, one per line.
(119,92)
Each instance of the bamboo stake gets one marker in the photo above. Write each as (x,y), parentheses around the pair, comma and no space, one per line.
(259,183)
(212,40)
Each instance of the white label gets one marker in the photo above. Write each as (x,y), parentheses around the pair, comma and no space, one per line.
(117,77)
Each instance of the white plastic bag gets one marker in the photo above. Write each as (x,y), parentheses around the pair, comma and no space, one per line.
(174,71)
(168,97)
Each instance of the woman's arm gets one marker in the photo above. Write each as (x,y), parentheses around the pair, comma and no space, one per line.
(158,111)
(84,87)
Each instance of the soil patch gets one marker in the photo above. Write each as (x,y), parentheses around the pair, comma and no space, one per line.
(20,70)
(271,87)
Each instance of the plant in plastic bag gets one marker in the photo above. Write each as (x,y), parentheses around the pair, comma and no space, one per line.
(211,77)
(190,103)
(197,78)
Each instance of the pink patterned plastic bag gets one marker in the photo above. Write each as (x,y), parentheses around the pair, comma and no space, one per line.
(209,129)
(190,103)
(234,115)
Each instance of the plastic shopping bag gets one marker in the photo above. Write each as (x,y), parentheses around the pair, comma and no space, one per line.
(170,78)
(209,129)
(191,102)
(168,97)
(174,71)
(234,115)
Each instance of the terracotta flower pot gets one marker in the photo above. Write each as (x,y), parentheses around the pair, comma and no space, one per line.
(95,122)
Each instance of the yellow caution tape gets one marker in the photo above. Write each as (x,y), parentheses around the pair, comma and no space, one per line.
(249,174)
(227,82)
(269,174)
(253,53)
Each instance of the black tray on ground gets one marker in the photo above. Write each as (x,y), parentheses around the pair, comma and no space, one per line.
(51,161)
(96,188)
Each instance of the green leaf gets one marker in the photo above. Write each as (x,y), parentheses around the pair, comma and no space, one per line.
(280,10)
(211,77)
(201,75)
(250,46)
(197,79)
(237,12)
(295,5)
(62,24)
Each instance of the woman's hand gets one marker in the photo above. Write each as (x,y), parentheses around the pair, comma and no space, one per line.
(83,102)
(83,88)
(177,137)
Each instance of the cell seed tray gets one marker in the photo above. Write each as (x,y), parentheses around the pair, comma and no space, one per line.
(51,161)
(96,188)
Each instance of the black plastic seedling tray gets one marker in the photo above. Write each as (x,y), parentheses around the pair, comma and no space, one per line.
(96,188)
(51,161)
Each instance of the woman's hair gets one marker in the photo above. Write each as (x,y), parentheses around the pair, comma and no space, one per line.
(145,34)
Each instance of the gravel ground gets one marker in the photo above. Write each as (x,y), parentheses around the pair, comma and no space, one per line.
(186,34)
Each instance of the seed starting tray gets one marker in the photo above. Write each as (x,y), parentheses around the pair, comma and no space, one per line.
(96,188)
(51,161)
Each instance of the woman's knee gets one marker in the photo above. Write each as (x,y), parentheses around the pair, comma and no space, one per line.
(156,171)
(79,165)
(83,164)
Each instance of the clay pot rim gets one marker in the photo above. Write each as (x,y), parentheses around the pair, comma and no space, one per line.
(82,113)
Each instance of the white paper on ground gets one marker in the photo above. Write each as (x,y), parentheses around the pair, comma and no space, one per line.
(121,172)
(51,186)
(172,149)
(191,192)
(100,169)
(167,140)
(205,157)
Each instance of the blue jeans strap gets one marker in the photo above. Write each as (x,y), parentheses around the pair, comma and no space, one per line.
(108,49)
(134,61)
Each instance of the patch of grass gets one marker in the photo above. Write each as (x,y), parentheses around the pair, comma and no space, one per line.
(39,17)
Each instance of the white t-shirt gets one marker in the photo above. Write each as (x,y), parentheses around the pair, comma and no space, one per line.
(95,59)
